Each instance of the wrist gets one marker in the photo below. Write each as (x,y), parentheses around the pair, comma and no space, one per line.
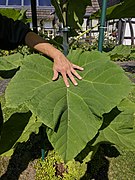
(57,55)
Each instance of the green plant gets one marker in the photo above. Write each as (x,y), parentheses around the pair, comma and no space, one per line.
(109,44)
(72,116)
(53,167)
(71,17)
(24,50)
(122,53)
(123,9)
(15,14)
(68,8)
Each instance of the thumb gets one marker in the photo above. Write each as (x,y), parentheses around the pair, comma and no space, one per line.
(55,75)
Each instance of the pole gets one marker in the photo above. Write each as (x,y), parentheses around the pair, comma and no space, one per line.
(65,29)
(34,15)
(102,25)
(65,41)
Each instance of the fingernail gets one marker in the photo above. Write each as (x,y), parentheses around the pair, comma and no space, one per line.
(67,86)
(76,84)
(80,77)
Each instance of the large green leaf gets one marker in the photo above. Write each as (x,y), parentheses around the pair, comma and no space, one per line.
(120,52)
(18,129)
(70,112)
(8,112)
(12,130)
(121,131)
(15,14)
(10,62)
(75,14)
(121,10)
(77,126)
(10,13)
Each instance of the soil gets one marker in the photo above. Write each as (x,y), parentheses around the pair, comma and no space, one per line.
(129,67)
(21,165)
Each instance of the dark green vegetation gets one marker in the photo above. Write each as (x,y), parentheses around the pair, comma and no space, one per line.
(125,9)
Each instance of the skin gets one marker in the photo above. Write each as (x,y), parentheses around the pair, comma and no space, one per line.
(61,63)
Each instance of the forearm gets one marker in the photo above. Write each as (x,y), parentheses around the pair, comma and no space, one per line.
(38,43)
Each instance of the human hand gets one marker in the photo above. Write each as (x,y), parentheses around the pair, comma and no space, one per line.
(67,69)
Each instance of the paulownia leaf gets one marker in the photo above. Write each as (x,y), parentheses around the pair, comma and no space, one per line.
(58,10)
(18,129)
(77,126)
(10,62)
(32,127)
(121,131)
(10,13)
(8,112)
(70,112)
(132,94)
(124,9)
(74,13)
(120,52)
(15,14)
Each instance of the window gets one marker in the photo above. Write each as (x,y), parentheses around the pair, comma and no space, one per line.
(24,2)
(3,2)
(44,3)
(27,2)
(14,2)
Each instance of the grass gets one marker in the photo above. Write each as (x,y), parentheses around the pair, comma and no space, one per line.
(122,167)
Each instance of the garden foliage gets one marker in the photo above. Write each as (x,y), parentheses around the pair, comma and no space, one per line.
(97,110)
(15,14)
(74,13)
(53,167)
(125,9)
(122,53)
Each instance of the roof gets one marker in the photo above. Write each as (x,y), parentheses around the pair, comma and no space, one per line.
(93,8)
(42,13)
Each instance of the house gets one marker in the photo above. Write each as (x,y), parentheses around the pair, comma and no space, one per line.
(124,28)
(46,18)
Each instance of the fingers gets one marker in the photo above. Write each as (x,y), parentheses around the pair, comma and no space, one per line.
(67,70)
(55,75)
(76,74)
(65,79)
(70,75)
(78,67)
